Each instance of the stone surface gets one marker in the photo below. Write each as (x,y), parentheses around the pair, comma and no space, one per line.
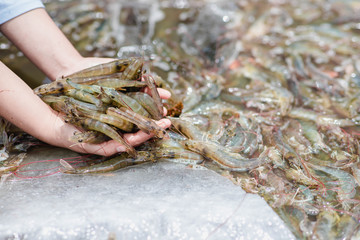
(152,201)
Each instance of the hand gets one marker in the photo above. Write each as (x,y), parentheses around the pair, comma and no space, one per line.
(110,147)
(48,48)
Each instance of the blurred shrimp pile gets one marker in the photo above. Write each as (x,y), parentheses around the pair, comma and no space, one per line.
(266,93)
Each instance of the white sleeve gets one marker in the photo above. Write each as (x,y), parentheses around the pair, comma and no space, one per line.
(10,9)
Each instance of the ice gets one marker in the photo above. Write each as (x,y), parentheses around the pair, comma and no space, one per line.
(154,201)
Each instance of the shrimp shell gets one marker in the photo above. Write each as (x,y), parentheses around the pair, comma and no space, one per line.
(144,123)
(116,66)
(227,160)
(91,124)
(155,94)
(148,103)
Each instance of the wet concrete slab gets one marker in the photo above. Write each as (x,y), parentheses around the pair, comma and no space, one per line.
(151,201)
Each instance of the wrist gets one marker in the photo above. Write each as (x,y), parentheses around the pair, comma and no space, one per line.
(80,63)
(71,65)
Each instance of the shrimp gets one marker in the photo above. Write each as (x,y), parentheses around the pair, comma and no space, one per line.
(88,137)
(68,105)
(91,89)
(187,128)
(320,120)
(116,66)
(155,94)
(126,101)
(273,97)
(12,163)
(346,181)
(105,118)
(119,84)
(51,88)
(297,175)
(304,114)
(324,225)
(311,133)
(326,120)
(144,123)
(298,65)
(322,80)
(124,160)
(58,103)
(148,103)
(118,162)
(226,160)
(179,155)
(91,124)
(83,96)
(133,71)
(76,104)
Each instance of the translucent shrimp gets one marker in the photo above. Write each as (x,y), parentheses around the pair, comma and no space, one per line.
(296,174)
(88,137)
(154,94)
(116,66)
(126,101)
(119,162)
(324,225)
(179,155)
(83,96)
(312,134)
(148,103)
(147,125)
(187,128)
(11,163)
(91,124)
(119,84)
(91,89)
(76,104)
(346,181)
(105,118)
(227,160)
(51,88)
(67,104)
(133,71)
(124,160)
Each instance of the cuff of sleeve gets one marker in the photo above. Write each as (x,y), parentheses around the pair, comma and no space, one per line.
(18,8)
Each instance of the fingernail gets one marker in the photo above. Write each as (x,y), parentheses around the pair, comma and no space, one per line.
(167,94)
(164,123)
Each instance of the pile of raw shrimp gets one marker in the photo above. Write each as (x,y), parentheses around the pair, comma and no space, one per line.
(106,101)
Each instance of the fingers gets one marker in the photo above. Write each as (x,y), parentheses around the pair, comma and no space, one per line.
(105,149)
(136,139)
(111,147)
(164,94)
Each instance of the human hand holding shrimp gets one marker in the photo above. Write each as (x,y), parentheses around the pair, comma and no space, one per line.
(48,48)
(132,139)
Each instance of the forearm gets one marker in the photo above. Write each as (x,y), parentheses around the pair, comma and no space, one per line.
(42,42)
(22,107)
